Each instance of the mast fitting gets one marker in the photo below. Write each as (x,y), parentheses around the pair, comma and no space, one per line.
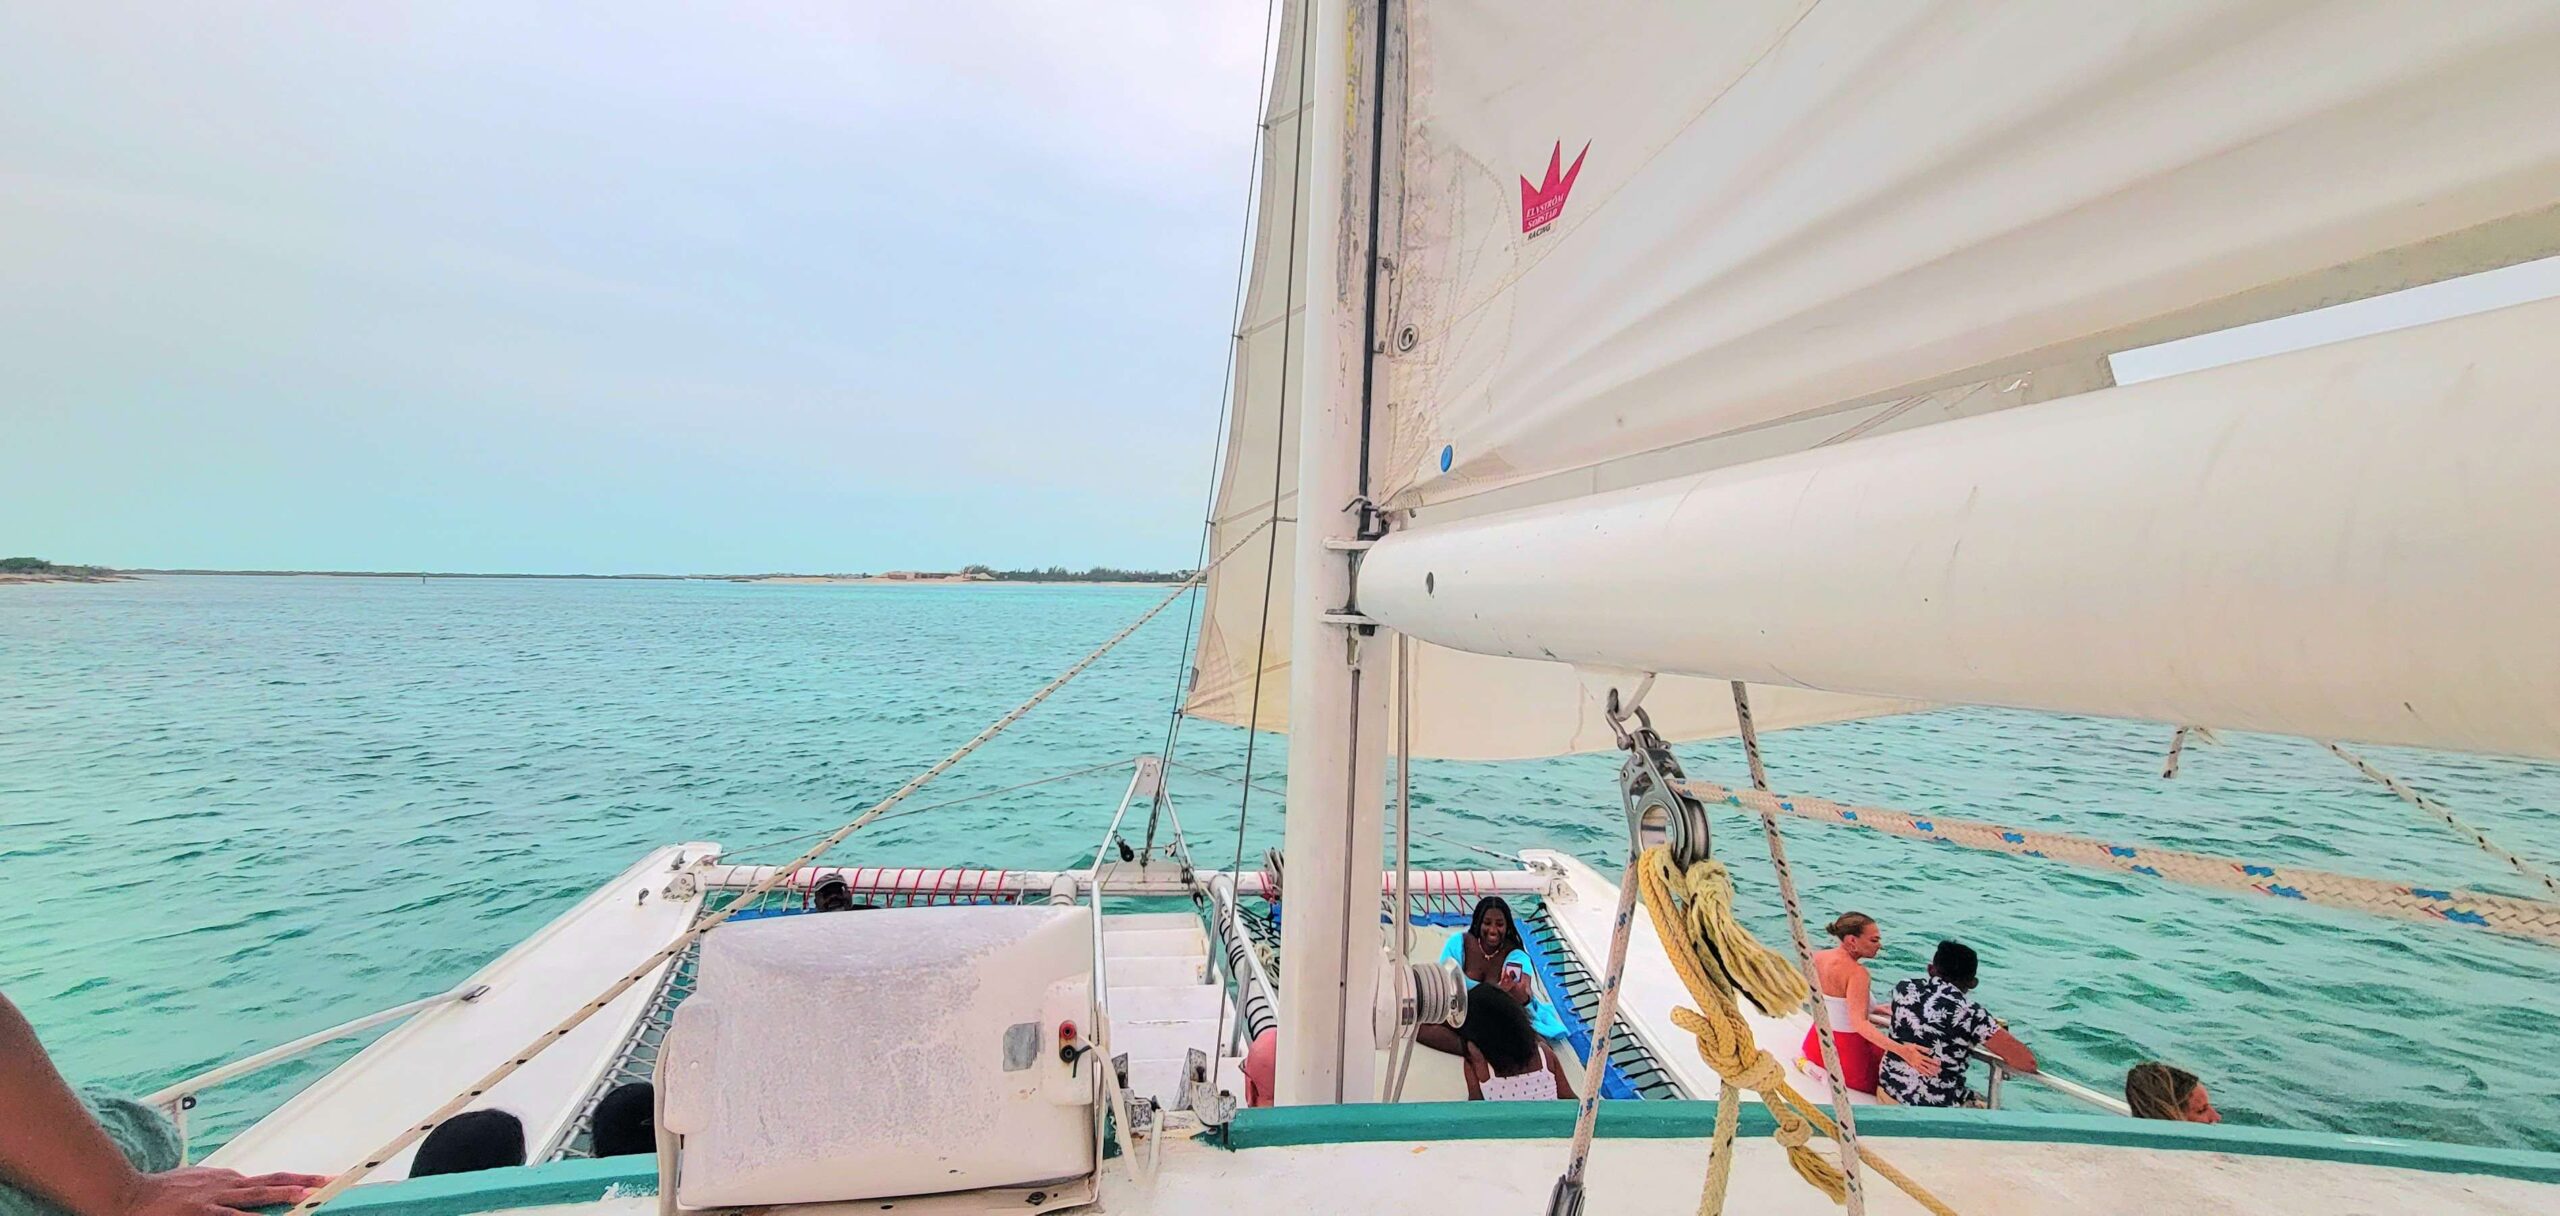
(1660,811)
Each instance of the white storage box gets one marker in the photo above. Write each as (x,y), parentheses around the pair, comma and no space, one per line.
(871,1054)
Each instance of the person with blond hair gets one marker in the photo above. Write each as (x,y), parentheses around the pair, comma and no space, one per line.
(2160,1091)
(1842,971)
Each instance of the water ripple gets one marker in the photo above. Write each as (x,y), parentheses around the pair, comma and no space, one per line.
(237,810)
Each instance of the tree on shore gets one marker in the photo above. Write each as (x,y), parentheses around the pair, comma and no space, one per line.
(1094,574)
(53,570)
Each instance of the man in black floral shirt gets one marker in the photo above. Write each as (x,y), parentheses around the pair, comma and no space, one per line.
(1938,1012)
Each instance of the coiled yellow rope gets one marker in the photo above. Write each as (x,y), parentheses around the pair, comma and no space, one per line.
(1717,957)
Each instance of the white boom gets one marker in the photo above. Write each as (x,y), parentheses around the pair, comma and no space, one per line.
(2355,541)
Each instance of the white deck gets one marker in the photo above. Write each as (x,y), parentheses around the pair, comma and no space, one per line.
(1642,1177)
(1433,1076)
(1163,1003)
(422,1063)
(1661,1178)
(1650,989)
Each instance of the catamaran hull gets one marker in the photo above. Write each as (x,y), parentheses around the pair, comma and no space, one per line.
(415,1068)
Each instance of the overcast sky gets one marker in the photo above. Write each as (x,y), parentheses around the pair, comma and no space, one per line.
(618,286)
(638,286)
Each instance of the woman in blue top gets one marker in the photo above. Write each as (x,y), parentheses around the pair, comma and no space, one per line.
(1491,952)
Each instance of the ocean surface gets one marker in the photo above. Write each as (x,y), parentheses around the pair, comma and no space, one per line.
(235,810)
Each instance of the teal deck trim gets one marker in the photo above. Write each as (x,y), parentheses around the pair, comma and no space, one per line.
(579,1180)
(584,1181)
(1284,1126)
(1275,1127)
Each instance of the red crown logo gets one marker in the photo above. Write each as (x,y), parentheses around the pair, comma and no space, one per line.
(1540,204)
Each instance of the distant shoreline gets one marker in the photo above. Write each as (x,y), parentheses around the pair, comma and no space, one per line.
(100,575)
(882,580)
(38,570)
(147,572)
(64,576)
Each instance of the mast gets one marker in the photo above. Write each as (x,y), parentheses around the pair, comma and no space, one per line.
(1338,675)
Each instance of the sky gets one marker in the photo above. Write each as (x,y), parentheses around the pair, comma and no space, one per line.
(617,287)
(649,287)
(2507,285)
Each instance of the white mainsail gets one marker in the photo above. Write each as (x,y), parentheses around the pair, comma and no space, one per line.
(1244,623)
(1761,210)
(1466,706)
(1776,225)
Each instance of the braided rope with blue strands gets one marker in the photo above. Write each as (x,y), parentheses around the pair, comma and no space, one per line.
(2535,919)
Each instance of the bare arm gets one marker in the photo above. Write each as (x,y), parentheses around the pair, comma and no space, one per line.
(2011,1052)
(1477,1071)
(1555,1068)
(51,1147)
(1861,1016)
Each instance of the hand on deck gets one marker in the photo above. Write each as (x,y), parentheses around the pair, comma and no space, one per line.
(207,1191)
(52,1147)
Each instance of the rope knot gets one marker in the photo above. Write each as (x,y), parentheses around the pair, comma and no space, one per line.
(1763,1076)
(1717,959)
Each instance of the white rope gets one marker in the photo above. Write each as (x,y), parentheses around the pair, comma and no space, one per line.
(2530,918)
(1586,1120)
(2440,811)
(1841,1113)
(1071,774)
(1400,1052)
(1187,767)
(1496,854)
(684,941)
(2178,747)
(1184,668)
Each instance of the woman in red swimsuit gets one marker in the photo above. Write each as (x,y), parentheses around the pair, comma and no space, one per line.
(1862,1044)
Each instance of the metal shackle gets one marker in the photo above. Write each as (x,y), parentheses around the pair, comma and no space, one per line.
(1657,812)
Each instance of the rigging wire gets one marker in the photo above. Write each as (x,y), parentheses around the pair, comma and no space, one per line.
(1494,853)
(1369,303)
(903,812)
(1231,780)
(1183,670)
(1271,549)
(1846,1132)
(2446,815)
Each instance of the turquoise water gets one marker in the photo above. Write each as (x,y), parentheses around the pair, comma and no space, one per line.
(235,810)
